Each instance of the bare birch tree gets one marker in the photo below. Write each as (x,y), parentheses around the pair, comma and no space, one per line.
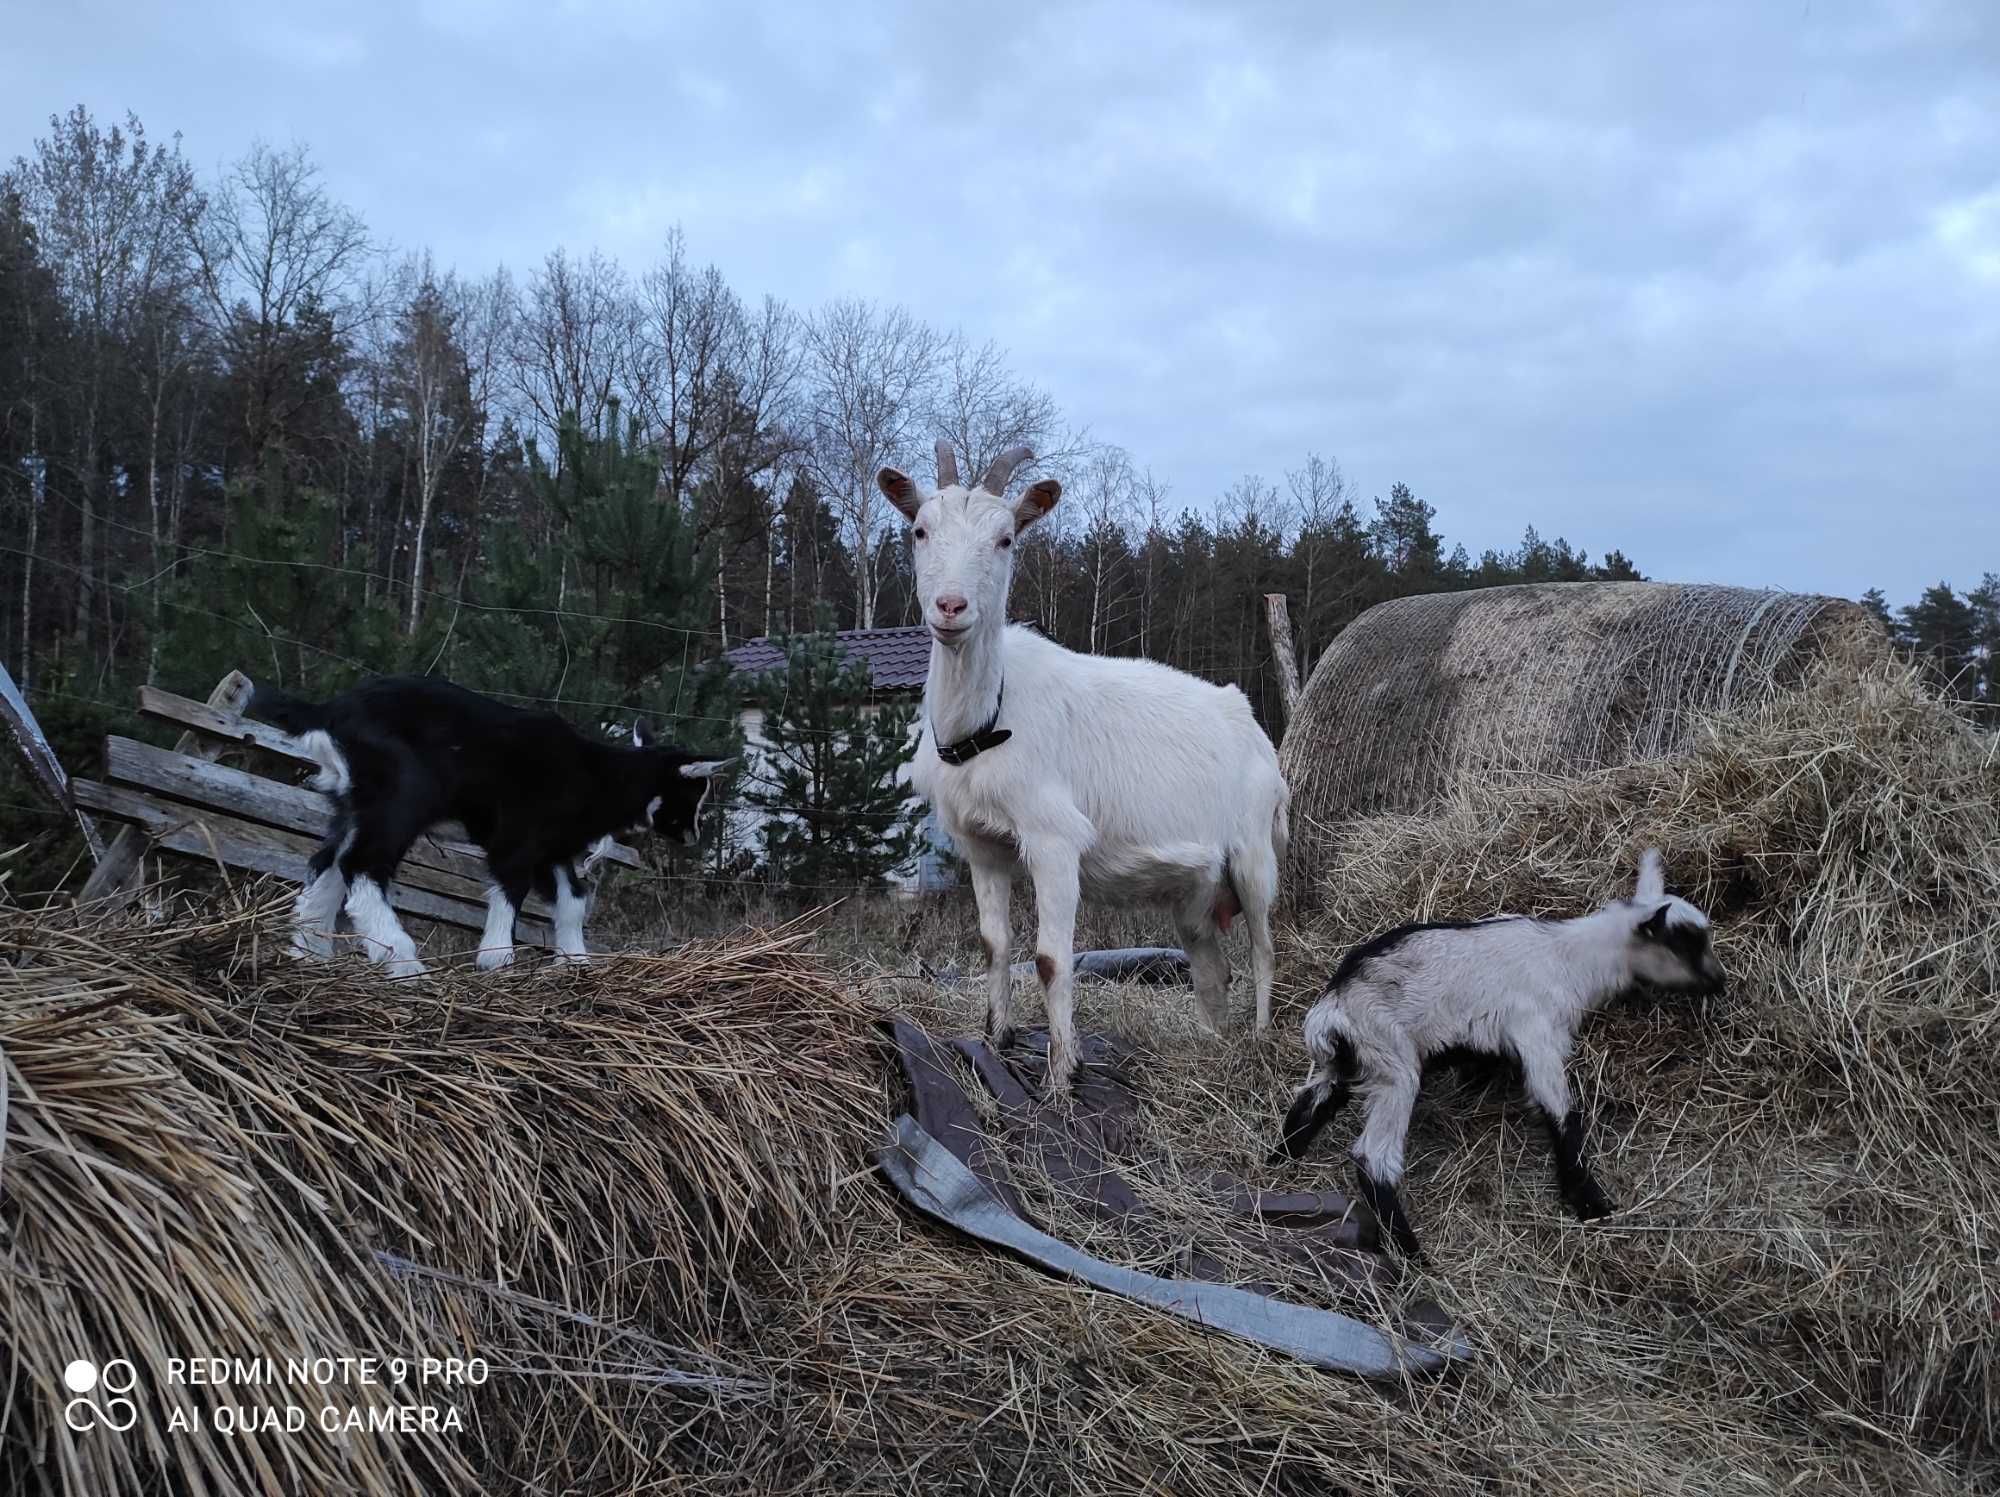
(1104,489)
(1319,489)
(571,335)
(432,384)
(275,244)
(867,392)
(113,213)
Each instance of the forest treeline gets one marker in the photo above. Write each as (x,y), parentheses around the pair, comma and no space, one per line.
(238,429)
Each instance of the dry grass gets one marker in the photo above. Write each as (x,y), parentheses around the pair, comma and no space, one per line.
(1797,1296)
(207,1149)
(1802,1283)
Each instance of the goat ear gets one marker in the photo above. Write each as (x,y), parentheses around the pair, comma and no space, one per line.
(1038,501)
(642,736)
(1652,877)
(707,769)
(901,491)
(1654,926)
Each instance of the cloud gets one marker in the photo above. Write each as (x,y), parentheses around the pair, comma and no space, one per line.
(1711,283)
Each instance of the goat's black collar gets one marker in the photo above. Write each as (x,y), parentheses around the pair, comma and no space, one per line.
(990,736)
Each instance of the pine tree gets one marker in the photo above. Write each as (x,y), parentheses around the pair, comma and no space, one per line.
(609,612)
(1942,628)
(276,606)
(828,779)
(1403,538)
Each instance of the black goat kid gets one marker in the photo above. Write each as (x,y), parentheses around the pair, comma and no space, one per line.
(399,754)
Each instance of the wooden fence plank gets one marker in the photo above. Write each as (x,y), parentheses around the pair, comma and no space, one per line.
(445,868)
(225,726)
(201,832)
(217,721)
(111,882)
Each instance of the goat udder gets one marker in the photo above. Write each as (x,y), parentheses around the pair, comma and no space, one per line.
(1226,909)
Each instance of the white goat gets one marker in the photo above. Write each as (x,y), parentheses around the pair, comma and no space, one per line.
(1511,988)
(1123,778)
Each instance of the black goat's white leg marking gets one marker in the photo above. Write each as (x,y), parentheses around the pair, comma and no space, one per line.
(569,918)
(314,914)
(1542,1071)
(496,944)
(379,929)
(317,909)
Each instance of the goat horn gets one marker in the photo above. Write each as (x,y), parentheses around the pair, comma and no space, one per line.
(947,464)
(1002,468)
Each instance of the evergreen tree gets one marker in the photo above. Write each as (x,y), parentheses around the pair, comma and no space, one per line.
(828,783)
(609,611)
(1943,630)
(275,606)
(1875,603)
(1403,538)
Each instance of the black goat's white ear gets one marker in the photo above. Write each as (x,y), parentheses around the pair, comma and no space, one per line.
(707,769)
(642,736)
(1654,926)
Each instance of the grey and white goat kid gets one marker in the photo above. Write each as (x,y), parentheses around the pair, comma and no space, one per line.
(1512,989)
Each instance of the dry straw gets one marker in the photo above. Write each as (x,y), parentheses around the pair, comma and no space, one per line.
(1798,1295)
(209,1155)
(1803,1281)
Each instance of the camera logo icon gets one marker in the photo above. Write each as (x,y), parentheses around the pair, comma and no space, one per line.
(100,1395)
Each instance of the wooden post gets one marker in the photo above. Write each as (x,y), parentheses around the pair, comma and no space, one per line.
(116,871)
(42,762)
(1278,615)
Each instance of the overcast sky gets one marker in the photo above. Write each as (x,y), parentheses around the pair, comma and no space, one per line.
(1718,284)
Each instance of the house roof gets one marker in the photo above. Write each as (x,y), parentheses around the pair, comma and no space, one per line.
(898,659)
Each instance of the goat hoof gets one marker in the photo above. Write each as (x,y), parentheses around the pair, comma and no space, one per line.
(407,967)
(1590,1206)
(493,958)
(312,947)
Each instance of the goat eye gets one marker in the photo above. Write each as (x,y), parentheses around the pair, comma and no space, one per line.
(922,534)
(1006,541)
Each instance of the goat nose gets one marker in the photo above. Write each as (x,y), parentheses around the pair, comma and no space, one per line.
(951,605)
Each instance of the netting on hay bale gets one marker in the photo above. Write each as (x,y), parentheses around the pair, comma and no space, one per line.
(1540,679)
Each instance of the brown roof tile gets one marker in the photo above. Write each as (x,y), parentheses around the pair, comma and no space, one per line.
(898,659)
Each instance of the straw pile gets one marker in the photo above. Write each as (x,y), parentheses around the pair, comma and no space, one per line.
(1803,1283)
(1797,1296)
(581,1180)
(1541,679)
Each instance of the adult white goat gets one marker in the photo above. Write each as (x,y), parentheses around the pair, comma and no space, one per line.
(1123,778)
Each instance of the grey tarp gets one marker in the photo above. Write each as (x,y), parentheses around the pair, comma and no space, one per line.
(933,1180)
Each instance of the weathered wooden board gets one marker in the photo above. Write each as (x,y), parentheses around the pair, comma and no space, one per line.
(203,832)
(111,881)
(221,725)
(450,869)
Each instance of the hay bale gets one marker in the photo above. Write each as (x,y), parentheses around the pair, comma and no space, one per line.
(1541,679)
(1810,1167)
(581,1178)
